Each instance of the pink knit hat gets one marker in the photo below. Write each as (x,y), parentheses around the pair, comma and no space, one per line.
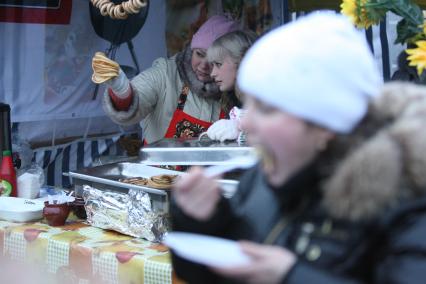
(213,28)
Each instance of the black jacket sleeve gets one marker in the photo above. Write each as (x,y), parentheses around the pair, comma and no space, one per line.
(305,273)
(184,269)
(223,220)
(219,220)
(225,214)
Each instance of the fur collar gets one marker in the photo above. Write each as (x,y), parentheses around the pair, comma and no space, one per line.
(385,167)
(206,90)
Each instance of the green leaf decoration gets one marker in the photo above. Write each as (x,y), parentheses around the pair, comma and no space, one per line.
(375,15)
(410,11)
(376,9)
(380,5)
(406,31)
(407,9)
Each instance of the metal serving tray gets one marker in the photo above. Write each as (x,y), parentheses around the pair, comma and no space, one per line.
(106,177)
(192,152)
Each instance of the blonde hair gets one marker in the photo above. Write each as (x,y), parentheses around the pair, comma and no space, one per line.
(233,44)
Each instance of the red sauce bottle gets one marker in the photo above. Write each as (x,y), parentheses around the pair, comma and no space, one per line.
(7,175)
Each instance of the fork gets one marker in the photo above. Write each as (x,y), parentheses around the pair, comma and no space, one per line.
(231,164)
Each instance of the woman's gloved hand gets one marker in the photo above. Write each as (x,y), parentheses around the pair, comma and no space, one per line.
(224,129)
(120,84)
(108,71)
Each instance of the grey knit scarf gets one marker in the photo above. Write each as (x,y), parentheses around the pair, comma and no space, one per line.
(206,90)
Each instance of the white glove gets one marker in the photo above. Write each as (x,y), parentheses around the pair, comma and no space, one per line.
(224,129)
(237,114)
(119,85)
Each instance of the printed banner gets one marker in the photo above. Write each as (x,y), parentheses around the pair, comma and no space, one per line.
(46,69)
(36,11)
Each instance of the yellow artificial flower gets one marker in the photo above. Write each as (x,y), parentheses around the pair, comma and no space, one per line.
(348,8)
(357,13)
(417,56)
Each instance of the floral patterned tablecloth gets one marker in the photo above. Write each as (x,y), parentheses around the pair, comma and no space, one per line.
(79,253)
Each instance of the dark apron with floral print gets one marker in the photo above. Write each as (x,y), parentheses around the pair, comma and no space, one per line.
(184,125)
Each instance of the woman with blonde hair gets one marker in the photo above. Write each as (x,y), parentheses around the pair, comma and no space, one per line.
(225,54)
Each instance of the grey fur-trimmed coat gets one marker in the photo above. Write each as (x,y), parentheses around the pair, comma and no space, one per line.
(156,93)
(356,215)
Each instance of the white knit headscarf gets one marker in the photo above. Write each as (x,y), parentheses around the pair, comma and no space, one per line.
(318,68)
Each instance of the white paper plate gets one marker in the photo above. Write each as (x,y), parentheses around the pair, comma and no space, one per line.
(20,209)
(210,251)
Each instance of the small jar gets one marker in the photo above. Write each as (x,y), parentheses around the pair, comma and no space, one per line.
(56,214)
(78,208)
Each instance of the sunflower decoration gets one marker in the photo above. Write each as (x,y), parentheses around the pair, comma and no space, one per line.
(411,29)
(359,12)
(417,56)
(366,13)
(417,52)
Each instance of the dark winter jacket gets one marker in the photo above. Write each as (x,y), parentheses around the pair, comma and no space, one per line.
(360,218)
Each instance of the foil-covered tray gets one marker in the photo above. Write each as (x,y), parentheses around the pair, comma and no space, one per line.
(192,152)
(129,213)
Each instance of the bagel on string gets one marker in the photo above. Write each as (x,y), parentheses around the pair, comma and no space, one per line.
(119,11)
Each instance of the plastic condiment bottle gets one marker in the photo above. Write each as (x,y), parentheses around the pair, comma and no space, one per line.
(7,175)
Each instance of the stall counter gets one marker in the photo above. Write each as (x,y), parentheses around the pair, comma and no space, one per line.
(79,253)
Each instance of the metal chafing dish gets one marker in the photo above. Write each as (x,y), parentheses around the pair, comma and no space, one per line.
(139,210)
(192,152)
(106,177)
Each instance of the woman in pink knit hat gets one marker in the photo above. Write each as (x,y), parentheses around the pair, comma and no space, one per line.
(174,98)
